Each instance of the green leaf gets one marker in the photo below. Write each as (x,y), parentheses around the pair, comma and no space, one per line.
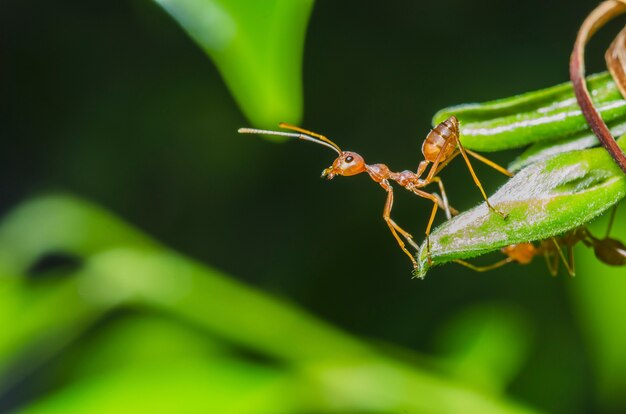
(319,367)
(542,150)
(540,116)
(257,47)
(196,386)
(543,200)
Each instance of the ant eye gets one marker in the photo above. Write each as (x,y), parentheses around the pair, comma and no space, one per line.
(349,158)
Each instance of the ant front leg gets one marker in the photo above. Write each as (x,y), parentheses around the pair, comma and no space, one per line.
(395,229)
(443,202)
(433,213)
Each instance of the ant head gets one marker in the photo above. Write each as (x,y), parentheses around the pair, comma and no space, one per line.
(347,163)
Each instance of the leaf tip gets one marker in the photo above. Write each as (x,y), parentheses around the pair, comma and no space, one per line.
(423,264)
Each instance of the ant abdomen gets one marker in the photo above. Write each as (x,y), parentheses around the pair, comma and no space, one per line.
(610,251)
(446,131)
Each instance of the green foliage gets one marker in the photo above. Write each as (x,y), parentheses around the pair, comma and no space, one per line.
(306,365)
(257,47)
(483,345)
(546,115)
(544,199)
(542,150)
(561,185)
(196,386)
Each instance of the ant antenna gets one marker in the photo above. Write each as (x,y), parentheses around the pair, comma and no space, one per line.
(315,134)
(322,139)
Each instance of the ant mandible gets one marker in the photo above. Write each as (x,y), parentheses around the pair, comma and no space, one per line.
(439,148)
(608,250)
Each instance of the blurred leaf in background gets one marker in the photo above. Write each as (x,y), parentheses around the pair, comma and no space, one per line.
(258,48)
(262,355)
(486,346)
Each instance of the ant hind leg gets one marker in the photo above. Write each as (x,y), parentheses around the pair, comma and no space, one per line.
(476,180)
(490,163)
(611,221)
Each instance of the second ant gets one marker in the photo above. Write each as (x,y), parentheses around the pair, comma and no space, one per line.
(608,250)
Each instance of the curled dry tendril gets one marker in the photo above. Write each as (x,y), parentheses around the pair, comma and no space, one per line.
(616,61)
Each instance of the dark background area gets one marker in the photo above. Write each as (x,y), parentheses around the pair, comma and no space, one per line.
(113,102)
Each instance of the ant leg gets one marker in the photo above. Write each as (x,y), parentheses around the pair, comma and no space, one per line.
(553,266)
(478,184)
(489,163)
(440,203)
(570,259)
(439,164)
(394,227)
(444,199)
(421,167)
(432,218)
(443,165)
(479,157)
(611,220)
(568,263)
(485,268)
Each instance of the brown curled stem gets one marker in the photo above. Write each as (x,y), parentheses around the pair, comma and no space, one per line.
(615,58)
(596,19)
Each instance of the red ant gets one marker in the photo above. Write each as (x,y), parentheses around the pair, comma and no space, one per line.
(608,250)
(439,148)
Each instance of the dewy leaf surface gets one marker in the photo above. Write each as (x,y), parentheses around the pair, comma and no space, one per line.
(257,46)
(540,116)
(543,200)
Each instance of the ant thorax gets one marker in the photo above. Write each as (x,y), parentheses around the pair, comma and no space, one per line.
(378,172)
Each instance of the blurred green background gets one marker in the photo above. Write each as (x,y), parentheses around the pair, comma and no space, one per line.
(114,103)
